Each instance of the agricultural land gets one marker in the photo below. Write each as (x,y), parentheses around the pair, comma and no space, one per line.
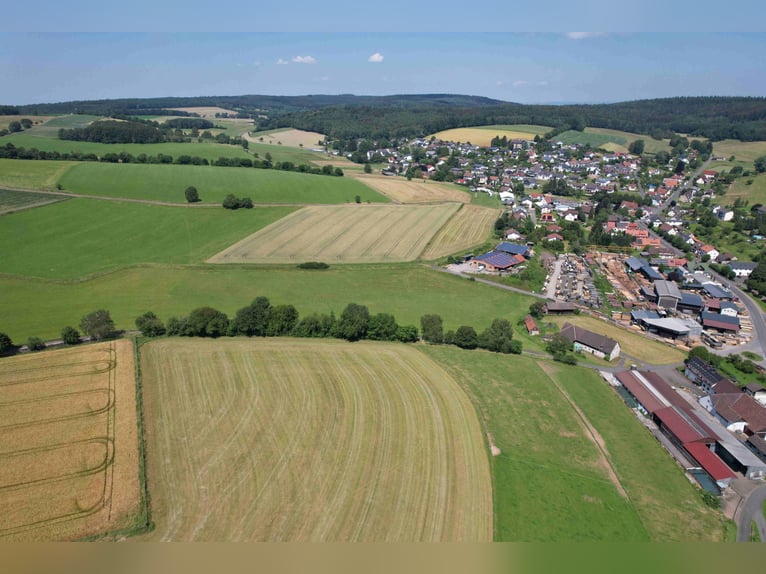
(574,463)
(399,190)
(168,182)
(482,135)
(69,443)
(754,192)
(59,241)
(311,441)
(23,174)
(11,201)
(470,226)
(343,234)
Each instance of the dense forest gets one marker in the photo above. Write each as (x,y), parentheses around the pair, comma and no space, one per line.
(388,117)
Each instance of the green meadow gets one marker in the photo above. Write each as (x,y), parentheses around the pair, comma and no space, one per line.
(550,480)
(29,174)
(11,200)
(40,307)
(211,151)
(168,182)
(79,237)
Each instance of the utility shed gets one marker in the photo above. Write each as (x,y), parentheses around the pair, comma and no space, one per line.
(710,463)
(590,342)
(668,294)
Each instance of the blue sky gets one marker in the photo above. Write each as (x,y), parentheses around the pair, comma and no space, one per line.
(521,67)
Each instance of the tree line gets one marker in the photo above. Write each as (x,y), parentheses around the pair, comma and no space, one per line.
(10,151)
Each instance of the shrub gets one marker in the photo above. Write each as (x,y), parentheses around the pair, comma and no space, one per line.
(5,343)
(432,329)
(192,196)
(150,325)
(70,335)
(353,322)
(313,265)
(466,337)
(407,334)
(35,344)
(206,322)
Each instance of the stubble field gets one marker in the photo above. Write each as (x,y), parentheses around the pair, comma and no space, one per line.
(482,135)
(470,226)
(294,440)
(399,190)
(69,445)
(343,234)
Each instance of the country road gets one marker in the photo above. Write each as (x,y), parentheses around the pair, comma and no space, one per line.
(752,509)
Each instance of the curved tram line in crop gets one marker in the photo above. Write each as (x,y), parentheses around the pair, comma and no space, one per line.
(96,471)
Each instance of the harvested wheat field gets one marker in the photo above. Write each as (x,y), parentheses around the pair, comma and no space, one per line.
(402,191)
(343,234)
(290,138)
(69,444)
(206,111)
(298,440)
(471,225)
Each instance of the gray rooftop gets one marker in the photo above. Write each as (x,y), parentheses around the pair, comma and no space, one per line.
(666,289)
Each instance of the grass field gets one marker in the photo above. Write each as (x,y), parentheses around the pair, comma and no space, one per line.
(28,174)
(400,190)
(211,151)
(51,127)
(78,237)
(69,445)
(470,226)
(754,193)
(742,151)
(311,441)
(575,464)
(295,154)
(289,137)
(11,201)
(631,344)
(482,135)
(613,140)
(5,121)
(168,182)
(343,234)
(42,308)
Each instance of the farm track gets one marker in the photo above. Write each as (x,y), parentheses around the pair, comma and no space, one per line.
(68,447)
(277,440)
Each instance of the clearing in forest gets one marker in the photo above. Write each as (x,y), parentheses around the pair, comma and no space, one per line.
(300,440)
(343,234)
(69,445)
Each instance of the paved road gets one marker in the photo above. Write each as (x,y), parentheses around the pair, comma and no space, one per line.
(752,509)
(682,187)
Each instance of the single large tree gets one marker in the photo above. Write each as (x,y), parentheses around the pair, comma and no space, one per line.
(192,195)
(207,322)
(466,337)
(282,320)
(98,324)
(382,327)
(353,322)
(5,343)
(252,320)
(760,164)
(70,335)
(150,325)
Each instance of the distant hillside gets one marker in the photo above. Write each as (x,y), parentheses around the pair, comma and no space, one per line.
(255,104)
(347,116)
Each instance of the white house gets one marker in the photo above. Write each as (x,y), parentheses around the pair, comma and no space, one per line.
(742,268)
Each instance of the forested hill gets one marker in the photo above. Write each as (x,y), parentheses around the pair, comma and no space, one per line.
(257,104)
(715,118)
(348,116)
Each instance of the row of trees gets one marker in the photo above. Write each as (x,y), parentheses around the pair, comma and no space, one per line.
(233,202)
(262,319)
(96,325)
(9,151)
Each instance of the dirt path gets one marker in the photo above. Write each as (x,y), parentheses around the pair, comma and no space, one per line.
(590,432)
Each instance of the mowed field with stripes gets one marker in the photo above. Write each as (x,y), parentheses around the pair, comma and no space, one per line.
(295,440)
(364,234)
(68,443)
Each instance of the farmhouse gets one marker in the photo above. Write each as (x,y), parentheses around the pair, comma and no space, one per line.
(531,325)
(589,342)
(742,268)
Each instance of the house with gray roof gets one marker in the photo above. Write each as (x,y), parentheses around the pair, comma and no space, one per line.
(590,342)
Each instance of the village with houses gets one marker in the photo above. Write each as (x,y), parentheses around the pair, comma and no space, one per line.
(615,238)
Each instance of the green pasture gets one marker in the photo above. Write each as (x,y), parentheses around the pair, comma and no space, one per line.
(168,182)
(79,237)
(11,200)
(742,151)
(669,505)
(289,153)
(50,129)
(754,192)
(32,174)
(211,151)
(549,485)
(547,482)
(41,307)
(601,137)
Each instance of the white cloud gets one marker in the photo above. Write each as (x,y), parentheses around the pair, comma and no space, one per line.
(305,60)
(324,78)
(500,83)
(377,57)
(583,35)
(282,62)
(520,83)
